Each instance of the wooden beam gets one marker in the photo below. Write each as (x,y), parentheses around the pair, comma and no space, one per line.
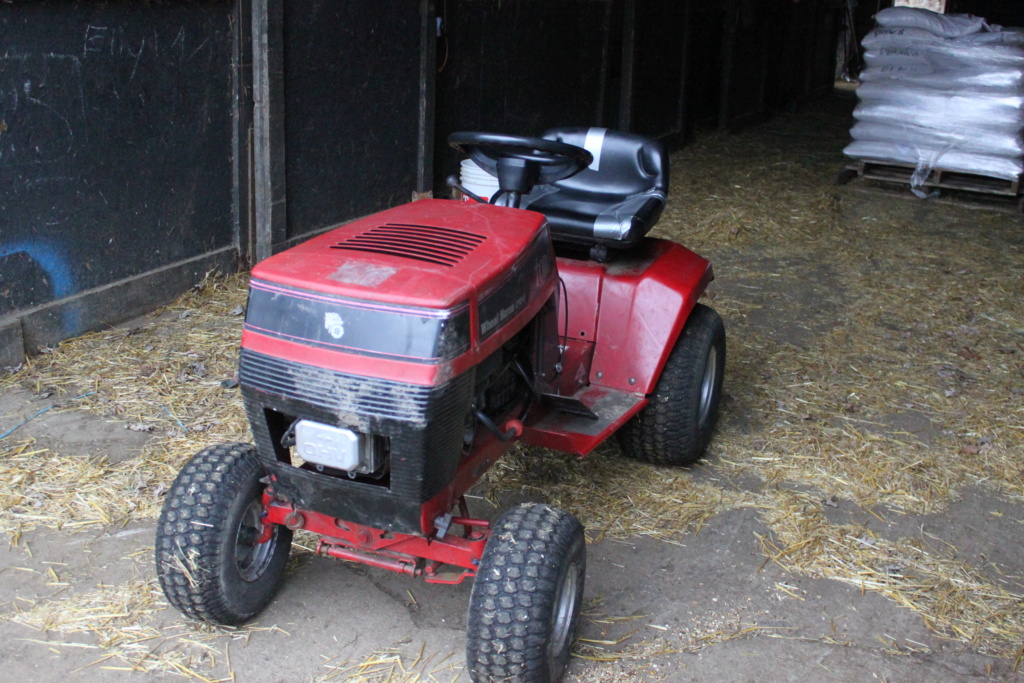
(628,59)
(428,73)
(106,305)
(12,343)
(728,62)
(682,118)
(243,211)
(268,125)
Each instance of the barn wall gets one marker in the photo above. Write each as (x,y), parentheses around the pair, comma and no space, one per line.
(658,81)
(519,68)
(705,60)
(115,160)
(351,89)
(144,144)
(748,59)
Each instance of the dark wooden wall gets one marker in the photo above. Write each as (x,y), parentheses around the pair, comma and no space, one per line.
(518,68)
(144,144)
(351,117)
(751,58)
(115,155)
(1003,12)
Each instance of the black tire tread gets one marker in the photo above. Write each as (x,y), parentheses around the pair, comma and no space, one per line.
(514,593)
(191,531)
(663,433)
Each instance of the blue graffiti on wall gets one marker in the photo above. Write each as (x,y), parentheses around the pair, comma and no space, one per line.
(56,268)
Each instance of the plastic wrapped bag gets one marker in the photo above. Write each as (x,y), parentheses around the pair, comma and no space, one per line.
(904,36)
(957,105)
(930,75)
(981,50)
(927,158)
(970,139)
(945,25)
(941,92)
(943,112)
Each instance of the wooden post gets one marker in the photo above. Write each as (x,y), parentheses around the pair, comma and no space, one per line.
(242,209)
(428,71)
(268,125)
(628,59)
(678,139)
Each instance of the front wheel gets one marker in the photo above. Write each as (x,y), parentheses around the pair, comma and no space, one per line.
(526,597)
(209,558)
(676,426)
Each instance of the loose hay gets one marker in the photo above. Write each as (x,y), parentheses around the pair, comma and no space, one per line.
(611,496)
(954,600)
(757,188)
(920,324)
(396,665)
(162,375)
(119,619)
(166,372)
(40,487)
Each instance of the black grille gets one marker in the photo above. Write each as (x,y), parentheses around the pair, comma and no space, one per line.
(367,396)
(429,243)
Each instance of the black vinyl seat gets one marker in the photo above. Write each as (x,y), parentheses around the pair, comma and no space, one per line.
(616,200)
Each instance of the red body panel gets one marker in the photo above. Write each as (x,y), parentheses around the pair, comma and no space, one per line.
(570,434)
(400,281)
(577,356)
(397,281)
(640,304)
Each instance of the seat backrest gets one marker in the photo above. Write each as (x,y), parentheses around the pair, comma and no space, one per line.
(624,163)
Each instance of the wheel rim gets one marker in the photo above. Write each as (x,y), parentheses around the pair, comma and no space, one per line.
(565,606)
(707,386)
(252,558)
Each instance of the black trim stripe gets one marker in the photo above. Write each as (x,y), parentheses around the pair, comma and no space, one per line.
(364,328)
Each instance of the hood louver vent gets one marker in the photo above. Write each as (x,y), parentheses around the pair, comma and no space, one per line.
(442,246)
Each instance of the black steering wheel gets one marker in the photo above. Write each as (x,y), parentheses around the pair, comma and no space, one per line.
(520,162)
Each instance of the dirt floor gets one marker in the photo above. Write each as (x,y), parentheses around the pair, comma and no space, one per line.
(858,517)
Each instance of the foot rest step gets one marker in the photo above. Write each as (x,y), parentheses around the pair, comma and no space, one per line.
(574,430)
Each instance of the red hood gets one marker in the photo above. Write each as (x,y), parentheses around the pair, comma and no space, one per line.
(432,253)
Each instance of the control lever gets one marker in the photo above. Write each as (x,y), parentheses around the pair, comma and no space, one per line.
(454,182)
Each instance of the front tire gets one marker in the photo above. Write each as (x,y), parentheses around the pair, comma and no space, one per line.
(526,598)
(677,424)
(208,560)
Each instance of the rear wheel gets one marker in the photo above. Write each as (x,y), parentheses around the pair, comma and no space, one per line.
(676,426)
(526,597)
(209,559)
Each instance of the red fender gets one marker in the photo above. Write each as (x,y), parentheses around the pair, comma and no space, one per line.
(633,309)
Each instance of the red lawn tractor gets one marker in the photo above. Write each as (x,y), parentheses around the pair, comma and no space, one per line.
(387,364)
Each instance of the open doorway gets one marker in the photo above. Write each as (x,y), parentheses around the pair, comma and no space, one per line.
(934,5)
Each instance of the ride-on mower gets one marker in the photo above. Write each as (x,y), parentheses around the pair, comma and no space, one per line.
(388,363)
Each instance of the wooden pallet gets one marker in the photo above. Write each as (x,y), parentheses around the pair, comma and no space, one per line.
(938,178)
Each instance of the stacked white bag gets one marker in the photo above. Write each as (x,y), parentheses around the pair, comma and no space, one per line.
(941,92)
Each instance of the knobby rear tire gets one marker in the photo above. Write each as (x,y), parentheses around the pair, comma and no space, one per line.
(677,424)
